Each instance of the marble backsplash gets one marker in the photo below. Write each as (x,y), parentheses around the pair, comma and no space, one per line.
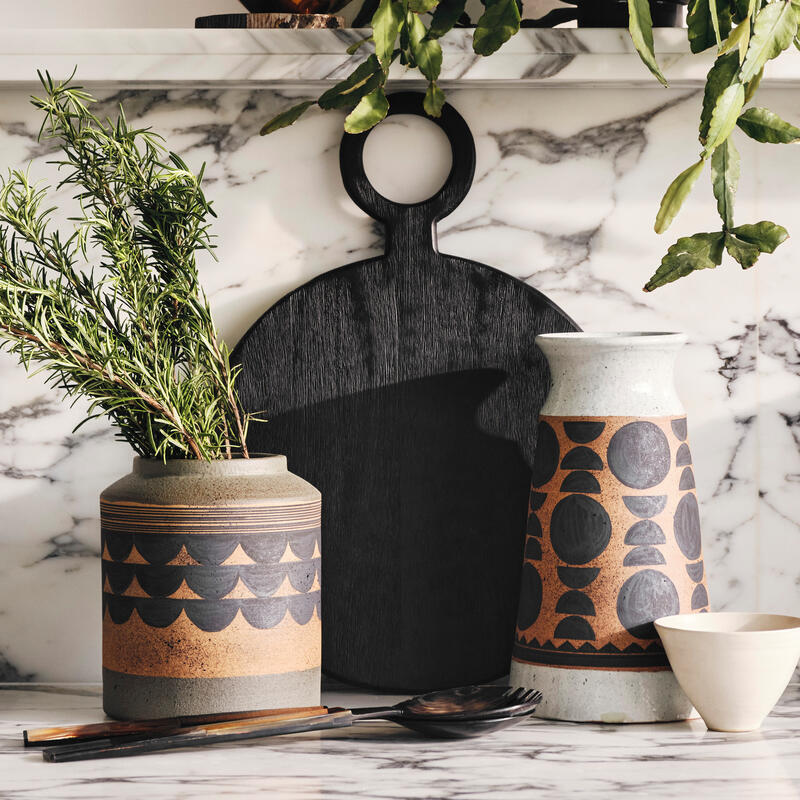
(566,190)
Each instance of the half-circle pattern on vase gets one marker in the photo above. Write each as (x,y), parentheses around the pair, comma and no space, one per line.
(583,458)
(574,628)
(534,527)
(533,549)
(530,600)
(210,549)
(159,580)
(119,545)
(645,532)
(680,428)
(695,571)
(644,506)
(577,577)
(583,431)
(684,456)
(545,459)
(687,479)
(211,583)
(263,581)
(644,556)
(574,602)
(212,616)
(119,576)
(537,500)
(581,482)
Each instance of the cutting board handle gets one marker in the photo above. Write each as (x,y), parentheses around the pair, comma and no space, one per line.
(425,214)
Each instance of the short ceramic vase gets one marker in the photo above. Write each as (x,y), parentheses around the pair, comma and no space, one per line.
(211,588)
(613,539)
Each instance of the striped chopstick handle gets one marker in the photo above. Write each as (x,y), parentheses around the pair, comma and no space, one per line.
(236,730)
(104,730)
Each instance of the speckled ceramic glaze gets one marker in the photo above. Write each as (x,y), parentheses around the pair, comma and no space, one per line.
(613,538)
(211,588)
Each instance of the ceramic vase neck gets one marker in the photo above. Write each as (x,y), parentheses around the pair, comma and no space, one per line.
(221,468)
(612,374)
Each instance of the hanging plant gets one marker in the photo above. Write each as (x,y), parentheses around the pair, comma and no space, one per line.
(399,33)
(746,33)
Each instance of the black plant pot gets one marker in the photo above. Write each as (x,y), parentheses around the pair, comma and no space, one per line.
(609,14)
(614,13)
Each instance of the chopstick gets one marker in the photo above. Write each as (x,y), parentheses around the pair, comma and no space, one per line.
(104,730)
(234,730)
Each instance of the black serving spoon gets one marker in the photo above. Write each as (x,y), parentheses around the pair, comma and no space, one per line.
(460,713)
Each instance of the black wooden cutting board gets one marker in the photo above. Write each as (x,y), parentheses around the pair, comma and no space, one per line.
(406,388)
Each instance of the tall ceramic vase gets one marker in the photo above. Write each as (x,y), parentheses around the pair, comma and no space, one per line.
(613,538)
(211,588)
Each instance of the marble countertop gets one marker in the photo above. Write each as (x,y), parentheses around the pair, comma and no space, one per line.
(538,758)
(263,58)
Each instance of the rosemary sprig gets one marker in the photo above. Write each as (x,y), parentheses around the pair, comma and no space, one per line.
(114,312)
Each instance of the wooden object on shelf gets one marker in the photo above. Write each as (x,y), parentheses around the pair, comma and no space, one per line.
(273,20)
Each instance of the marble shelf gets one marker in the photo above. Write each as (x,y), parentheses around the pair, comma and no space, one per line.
(537,758)
(268,58)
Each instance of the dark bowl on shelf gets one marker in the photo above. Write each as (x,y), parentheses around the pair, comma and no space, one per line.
(609,14)
(614,13)
(294,6)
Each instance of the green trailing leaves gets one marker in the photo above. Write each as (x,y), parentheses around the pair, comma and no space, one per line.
(356,46)
(434,100)
(721,75)
(701,28)
(386,23)
(421,6)
(746,254)
(723,119)
(498,23)
(773,31)
(766,126)
(364,79)
(704,251)
(445,16)
(371,109)
(677,192)
(739,40)
(288,117)
(752,87)
(427,53)
(641,30)
(743,8)
(687,255)
(766,236)
(763,30)
(709,22)
(725,171)
(747,242)
(713,12)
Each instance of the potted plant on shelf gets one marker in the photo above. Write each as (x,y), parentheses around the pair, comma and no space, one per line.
(746,34)
(210,556)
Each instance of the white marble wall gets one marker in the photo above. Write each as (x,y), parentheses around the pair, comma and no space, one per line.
(566,190)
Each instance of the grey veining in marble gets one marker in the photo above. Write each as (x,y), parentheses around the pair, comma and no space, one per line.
(151,57)
(565,194)
(536,759)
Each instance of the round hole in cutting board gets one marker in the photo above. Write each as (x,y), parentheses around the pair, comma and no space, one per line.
(407,158)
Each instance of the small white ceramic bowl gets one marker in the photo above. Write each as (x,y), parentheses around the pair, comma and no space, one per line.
(733,666)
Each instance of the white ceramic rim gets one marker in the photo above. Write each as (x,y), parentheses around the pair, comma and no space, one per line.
(675,622)
(220,467)
(637,339)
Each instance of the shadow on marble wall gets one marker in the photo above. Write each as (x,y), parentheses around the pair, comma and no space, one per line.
(284,218)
